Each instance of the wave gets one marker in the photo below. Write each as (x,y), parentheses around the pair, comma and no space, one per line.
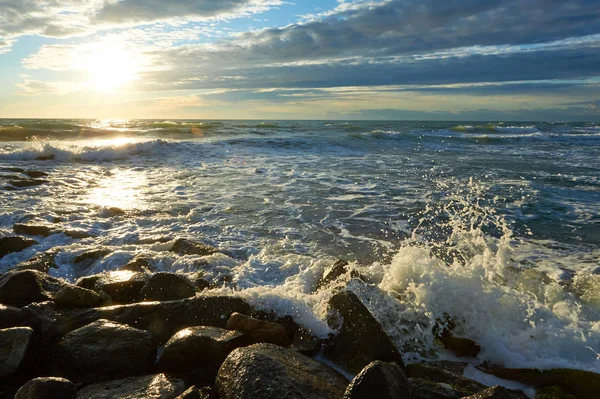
(45,151)
(491,128)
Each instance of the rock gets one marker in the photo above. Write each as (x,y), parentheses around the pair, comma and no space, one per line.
(270,371)
(202,393)
(183,246)
(47,388)
(24,183)
(138,264)
(379,380)
(105,349)
(348,347)
(495,392)
(35,173)
(13,346)
(8,245)
(461,347)
(123,286)
(88,258)
(42,262)
(71,296)
(32,230)
(340,268)
(22,287)
(440,375)
(157,386)
(451,366)
(582,384)
(196,353)
(424,389)
(306,343)
(166,287)
(552,393)
(77,233)
(257,331)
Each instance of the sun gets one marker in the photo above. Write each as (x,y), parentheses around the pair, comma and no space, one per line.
(110,67)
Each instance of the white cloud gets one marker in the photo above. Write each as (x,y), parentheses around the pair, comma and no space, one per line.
(35,87)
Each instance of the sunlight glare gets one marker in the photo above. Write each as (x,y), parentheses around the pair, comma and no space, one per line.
(110,66)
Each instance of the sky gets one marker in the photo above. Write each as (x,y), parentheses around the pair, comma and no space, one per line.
(301,59)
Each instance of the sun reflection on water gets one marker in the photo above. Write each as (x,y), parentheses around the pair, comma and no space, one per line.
(120,189)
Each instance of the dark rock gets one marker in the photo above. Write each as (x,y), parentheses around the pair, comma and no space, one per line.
(8,245)
(339,269)
(13,346)
(202,393)
(13,169)
(157,386)
(552,393)
(138,264)
(32,230)
(77,233)
(166,287)
(35,173)
(582,384)
(71,296)
(306,343)
(104,349)
(42,262)
(379,380)
(22,287)
(348,347)
(122,286)
(23,183)
(196,353)
(183,246)
(495,392)
(257,331)
(47,388)
(88,258)
(88,282)
(269,371)
(451,366)
(440,375)
(461,347)
(425,389)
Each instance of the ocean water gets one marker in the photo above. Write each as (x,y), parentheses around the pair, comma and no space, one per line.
(495,225)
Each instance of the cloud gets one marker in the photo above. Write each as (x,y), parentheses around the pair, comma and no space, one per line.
(36,87)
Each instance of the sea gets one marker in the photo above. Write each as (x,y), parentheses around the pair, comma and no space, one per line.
(493,225)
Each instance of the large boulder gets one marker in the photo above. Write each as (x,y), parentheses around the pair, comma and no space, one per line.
(359,326)
(440,375)
(47,388)
(41,262)
(461,347)
(32,229)
(26,183)
(8,245)
(257,331)
(157,386)
(269,371)
(421,388)
(86,259)
(582,384)
(339,269)
(200,346)
(379,380)
(202,393)
(71,296)
(14,343)
(104,349)
(123,286)
(22,287)
(495,392)
(167,287)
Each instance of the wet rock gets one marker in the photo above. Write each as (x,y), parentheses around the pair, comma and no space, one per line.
(257,331)
(348,348)
(198,352)
(425,389)
(35,173)
(339,269)
(552,393)
(71,296)
(582,384)
(451,366)
(138,264)
(157,386)
(104,349)
(202,393)
(306,343)
(24,183)
(495,392)
(8,245)
(13,346)
(440,375)
(461,347)
(13,169)
(122,286)
(270,371)
(379,380)
(183,246)
(88,258)
(77,233)
(166,287)
(42,262)
(22,287)
(32,230)
(47,388)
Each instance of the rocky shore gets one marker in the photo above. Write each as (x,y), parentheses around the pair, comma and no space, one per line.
(137,333)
